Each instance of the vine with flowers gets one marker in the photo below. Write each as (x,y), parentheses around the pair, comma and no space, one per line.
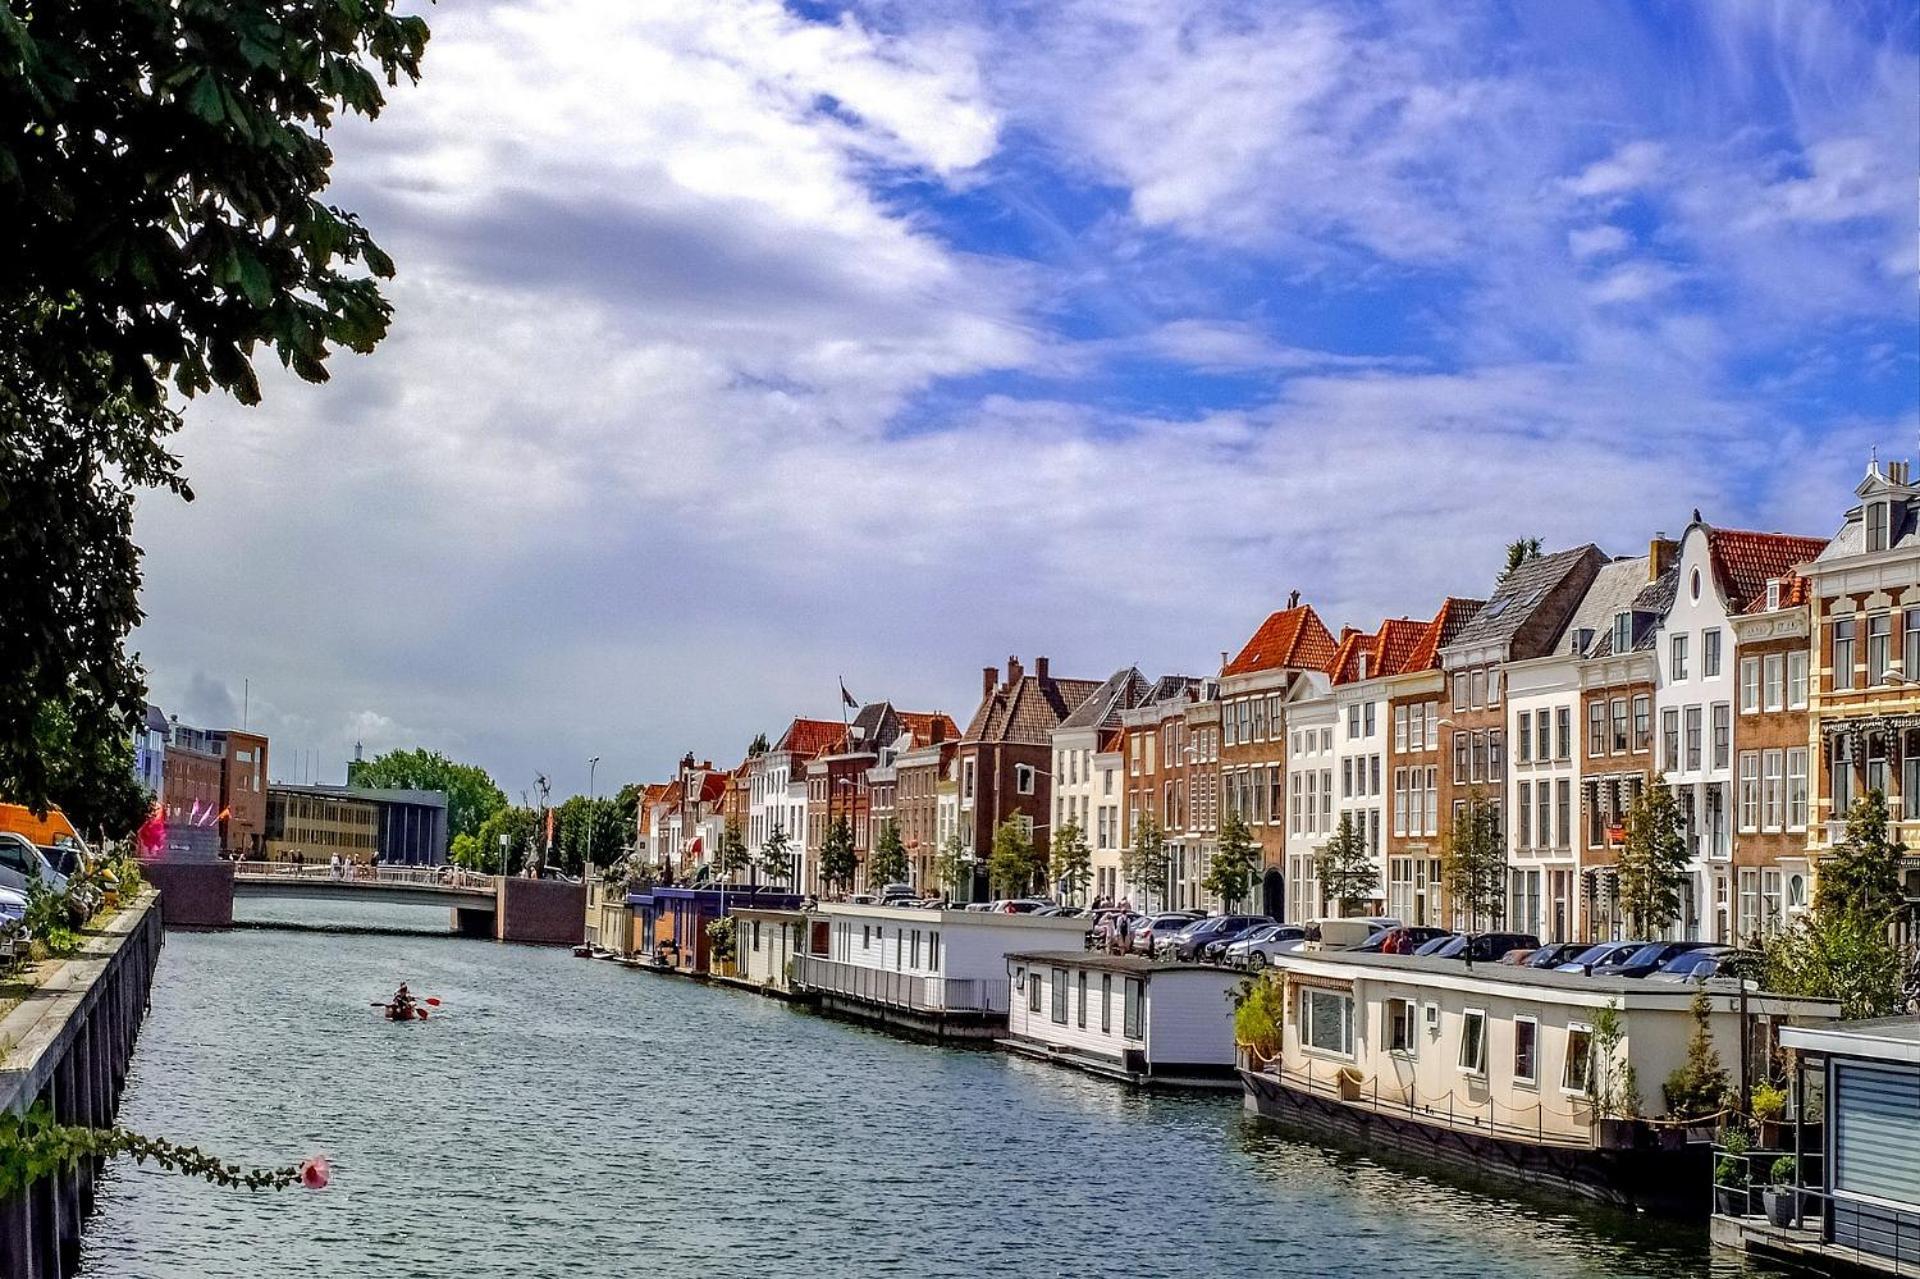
(33,1146)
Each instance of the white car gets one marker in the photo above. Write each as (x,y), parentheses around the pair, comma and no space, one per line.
(1263,943)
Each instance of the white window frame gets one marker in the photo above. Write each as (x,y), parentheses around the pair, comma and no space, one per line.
(1467,1015)
(1532,1080)
(1566,1065)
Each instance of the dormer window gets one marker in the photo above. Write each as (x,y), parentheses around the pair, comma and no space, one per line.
(1622,632)
(1879,518)
(1773,595)
(1582,640)
(1361,672)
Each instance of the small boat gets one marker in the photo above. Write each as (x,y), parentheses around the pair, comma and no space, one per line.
(583,952)
(396,1013)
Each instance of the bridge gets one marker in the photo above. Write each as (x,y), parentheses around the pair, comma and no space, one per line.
(200,893)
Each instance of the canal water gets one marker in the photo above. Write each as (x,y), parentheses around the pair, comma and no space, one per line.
(561,1117)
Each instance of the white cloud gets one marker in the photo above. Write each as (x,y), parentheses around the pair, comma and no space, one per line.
(1633,282)
(1630,168)
(1597,241)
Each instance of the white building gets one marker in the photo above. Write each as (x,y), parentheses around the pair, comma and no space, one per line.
(1312,764)
(1123,1016)
(1362,690)
(1086,774)
(764,944)
(778,798)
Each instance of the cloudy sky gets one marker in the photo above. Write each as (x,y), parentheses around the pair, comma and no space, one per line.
(740,347)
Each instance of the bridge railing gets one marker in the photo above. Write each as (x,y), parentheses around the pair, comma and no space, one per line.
(355,873)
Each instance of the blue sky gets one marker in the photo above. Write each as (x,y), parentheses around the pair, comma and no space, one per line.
(742,347)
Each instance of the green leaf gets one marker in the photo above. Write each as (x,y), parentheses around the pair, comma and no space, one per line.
(205,100)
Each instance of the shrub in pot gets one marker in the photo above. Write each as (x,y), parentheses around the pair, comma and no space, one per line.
(1782,1197)
(1731,1175)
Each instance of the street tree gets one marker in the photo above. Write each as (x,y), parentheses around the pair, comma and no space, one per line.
(1145,861)
(1653,862)
(1347,874)
(1015,863)
(1473,868)
(838,863)
(1230,877)
(518,825)
(1072,867)
(1862,875)
(590,831)
(732,857)
(953,867)
(887,863)
(776,856)
(161,225)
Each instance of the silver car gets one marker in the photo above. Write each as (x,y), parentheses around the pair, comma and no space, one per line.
(21,862)
(1262,944)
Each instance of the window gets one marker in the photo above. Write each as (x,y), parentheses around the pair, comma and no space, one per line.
(1677,666)
(1843,782)
(1462,754)
(1749,685)
(1773,789)
(1058,1004)
(1130,1021)
(1842,653)
(1326,1021)
(1722,734)
(1403,1016)
(1797,679)
(1353,721)
(1023,776)
(1545,809)
(1910,787)
(1459,690)
(1473,1042)
(1525,830)
(1477,686)
(1670,740)
(1797,788)
(1400,728)
(1643,721)
(1774,693)
(1563,717)
(1710,652)
(1622,632)
(1596,728)
(1749,790)
(1563,810)
(1526,1044)
(1910,644)
(966,781)
(1879,648)
(1523,740)
(1694,718)
(1878,522)
(1106,1003)
(1033,992)
(1081,1017)
(1619,740)
(1544,734)
(1579,1068)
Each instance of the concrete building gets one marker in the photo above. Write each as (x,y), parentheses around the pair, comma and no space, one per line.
(779,788)
(1310,757)
(360,823)
(1160,781)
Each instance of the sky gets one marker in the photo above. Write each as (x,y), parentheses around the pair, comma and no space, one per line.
(741,348)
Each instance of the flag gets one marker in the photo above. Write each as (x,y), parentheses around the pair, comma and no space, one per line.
(847,698)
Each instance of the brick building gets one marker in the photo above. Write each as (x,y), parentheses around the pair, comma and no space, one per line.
(1773,656)
(1416,763)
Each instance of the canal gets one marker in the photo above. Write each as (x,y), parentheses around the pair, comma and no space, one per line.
(566,1118)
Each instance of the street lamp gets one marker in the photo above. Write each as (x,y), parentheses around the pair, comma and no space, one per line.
(586,864)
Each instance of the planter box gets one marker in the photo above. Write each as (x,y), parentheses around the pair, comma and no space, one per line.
(1782,1207)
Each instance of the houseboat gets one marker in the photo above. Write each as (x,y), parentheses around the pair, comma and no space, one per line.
(1552,1078)
(765,941)
(941,974)
(1124,1017)
(670,924)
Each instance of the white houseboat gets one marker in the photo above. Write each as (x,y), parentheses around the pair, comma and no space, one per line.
(1551,1077)
(765,942)
(941,973)
(1124,1017)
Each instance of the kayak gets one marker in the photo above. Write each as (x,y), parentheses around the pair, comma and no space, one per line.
(396,1013)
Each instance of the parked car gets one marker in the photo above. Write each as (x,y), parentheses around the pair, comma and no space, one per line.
(1555,954)
(1482,948)
(895,894)
(1605,952)
(22,861)
(1151,930)
(1345,934)
(1698,964)
(1403,940)
(1254,949)
(1647,960)
(1188,942)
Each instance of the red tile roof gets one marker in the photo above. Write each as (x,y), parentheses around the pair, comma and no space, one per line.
(712,786)
(921,723)
(1352,645)
(1437,634)
(808,737)
(1794,592)
(1292,637)
(1745,562)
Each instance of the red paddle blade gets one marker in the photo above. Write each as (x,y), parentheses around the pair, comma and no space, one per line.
(433,1002)
(422,1012)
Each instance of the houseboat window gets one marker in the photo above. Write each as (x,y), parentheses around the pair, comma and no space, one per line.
(1402,1017)
(1033,993)
(1130,1025)
(1106,1003)
(866,936)
(1473,1042)
(1081,1020)
(1059,1009)
(756,935)
(1579,1071)
(916,948)
(1326,1021)
(1020,979)
(933,951)
(1526,1044)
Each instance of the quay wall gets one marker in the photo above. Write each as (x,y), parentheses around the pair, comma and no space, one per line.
(69,1044)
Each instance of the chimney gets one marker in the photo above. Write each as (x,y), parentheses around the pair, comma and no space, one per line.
(1661,553)
(1040,668)
(1293,598)
(989,676)
(1014,671)
(1223,661)
(1897,472)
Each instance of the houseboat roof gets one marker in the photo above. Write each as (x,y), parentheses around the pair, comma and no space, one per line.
(793,916)
(1557,987)
(1133,965)
(1054,924)
(1882,1039)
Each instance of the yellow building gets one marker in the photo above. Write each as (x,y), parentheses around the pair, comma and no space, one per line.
(312,824)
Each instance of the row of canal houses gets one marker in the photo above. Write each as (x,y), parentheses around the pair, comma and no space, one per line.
(1767,678)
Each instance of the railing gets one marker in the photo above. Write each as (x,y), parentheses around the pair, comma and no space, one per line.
(355,873)
(890,989)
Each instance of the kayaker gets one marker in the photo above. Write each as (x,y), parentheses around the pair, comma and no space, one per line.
(401,1006)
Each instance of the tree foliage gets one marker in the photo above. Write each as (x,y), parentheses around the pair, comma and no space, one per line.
(591,830)
(1862,874)
(1843,955)
(1653,862)
(1473,868)
(837,861)
(1072,859)
(1520,550)
(733,856)
(472,796)
(160,221)
(776,856)
(1230,877)
(952,867)
(1145,861)
(519,825)
(887,863)
(1015,864)
(89,776)
(1347,874)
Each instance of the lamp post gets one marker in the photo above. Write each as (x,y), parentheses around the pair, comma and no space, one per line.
(586,863)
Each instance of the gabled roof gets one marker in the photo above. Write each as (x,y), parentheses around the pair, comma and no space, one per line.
(1352,646)
(713,785)
(1744,562)
(1293,637)
(808,737)
(1795,591)
(1620,586)
(1388,651)
(920,725)
(1120,691)
(1445,627)
(1028,711)
(1521,594)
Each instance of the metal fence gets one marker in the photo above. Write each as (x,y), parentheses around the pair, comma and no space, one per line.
(357,873)
(889,989)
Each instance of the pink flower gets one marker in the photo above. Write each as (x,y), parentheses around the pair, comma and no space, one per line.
(314,1172)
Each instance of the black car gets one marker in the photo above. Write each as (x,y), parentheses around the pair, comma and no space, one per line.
(1188,943)
(1649,959)
(1484,948)
(1555,954)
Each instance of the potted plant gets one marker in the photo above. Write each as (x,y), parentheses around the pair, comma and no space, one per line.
(1769,1107)
(1730,1174)
(1782,1197)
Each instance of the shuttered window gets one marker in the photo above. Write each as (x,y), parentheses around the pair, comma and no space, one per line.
(1876,1130)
